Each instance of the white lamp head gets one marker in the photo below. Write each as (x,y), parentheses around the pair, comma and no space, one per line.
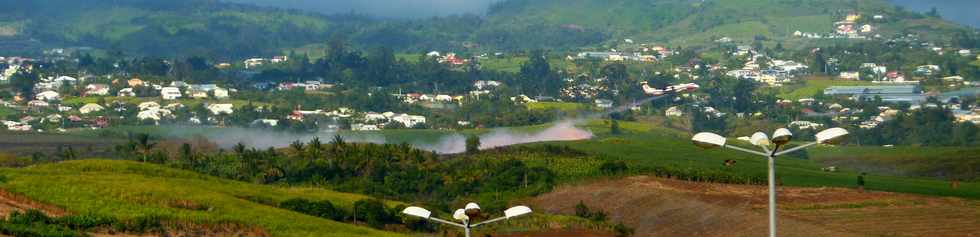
(760,139)
(517,211)
(831,136)
(472,209)
(460,214)
(782,136)
(417,212)
(708,140)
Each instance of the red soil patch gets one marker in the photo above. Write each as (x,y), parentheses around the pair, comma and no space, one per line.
(663,207)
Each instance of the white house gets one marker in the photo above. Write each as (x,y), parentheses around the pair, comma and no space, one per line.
(444,98)
(150,105)
(218,109)
(153,114)
(364,127)
(373,117)
(90,108)
(850,76)
(48,96)
(604,104)
(170,93)
(220,93)
(126,92)
(97,89)
(409,121)
(674,112)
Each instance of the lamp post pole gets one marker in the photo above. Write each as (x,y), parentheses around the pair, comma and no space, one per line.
(772,192)
(780,138)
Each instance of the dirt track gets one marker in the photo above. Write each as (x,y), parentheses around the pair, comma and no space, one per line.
(661,207)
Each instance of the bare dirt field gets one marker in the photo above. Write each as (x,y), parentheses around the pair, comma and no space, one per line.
(663,207)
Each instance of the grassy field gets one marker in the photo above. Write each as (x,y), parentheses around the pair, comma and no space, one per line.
(940,162)
(812,86)
(645,146)
(128,190)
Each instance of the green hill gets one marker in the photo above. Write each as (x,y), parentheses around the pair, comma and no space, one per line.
(133,191)
(232,31)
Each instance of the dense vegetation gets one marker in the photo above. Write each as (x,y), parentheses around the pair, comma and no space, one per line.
(208,27)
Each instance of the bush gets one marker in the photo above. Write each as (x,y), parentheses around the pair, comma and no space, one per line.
(613,167)
(34,223)
(581,210)
(374,213)
(322,209)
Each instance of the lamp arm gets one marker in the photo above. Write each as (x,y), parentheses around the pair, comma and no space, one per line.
(490,221)
(796,148)
(746,150)
(765,149)
(447,222)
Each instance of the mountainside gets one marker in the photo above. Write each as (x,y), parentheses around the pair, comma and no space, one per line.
(228,30)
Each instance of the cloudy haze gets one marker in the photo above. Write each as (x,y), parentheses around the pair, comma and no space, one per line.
(382,8)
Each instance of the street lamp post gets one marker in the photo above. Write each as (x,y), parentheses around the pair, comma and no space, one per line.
(463,215)
(780,138)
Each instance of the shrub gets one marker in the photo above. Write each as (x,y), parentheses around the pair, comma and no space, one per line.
(374,213)
(613,167)
(583,211)
(322,209)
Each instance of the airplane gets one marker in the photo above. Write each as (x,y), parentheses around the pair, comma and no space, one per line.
(682,88)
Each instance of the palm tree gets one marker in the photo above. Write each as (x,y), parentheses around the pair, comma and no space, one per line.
(144,144)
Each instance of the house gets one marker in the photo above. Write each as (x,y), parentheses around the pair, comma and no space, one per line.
(62,80)
(220,93)
(364,127)
(135,82)
(894,76)
(153,114)
(444,98)
(126,92)
(170,93)
(48,96)
(965,52)
(174,106)
(374,117)
(96,90)
(37,104)
(805,125)
(267,122)
(197,94)
(604,103)
(218,109)
(866,28)
(279,59)
(927,70)
(254,62)
(854,76)
(90,108)
(148,105)
(674,112)
(410,121)
(480,85)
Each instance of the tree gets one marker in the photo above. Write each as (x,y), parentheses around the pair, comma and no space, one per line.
(144,144)
(472,144)
(933,12)
(614,127)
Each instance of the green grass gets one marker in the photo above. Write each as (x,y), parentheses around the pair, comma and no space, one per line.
(128,190)
(645,146)
(813,86)
(944,162)
(566,107)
